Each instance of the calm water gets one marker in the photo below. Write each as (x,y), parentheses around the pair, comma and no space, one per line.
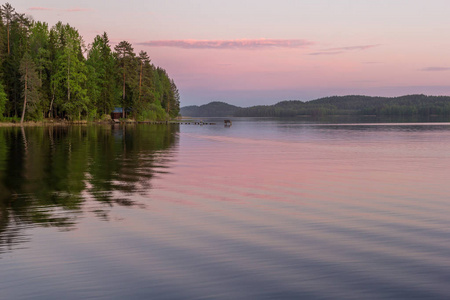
(262,210)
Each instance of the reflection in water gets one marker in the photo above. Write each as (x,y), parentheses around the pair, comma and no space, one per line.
(262,210)
(48,173)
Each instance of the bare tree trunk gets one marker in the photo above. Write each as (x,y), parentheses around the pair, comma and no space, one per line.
(25,95)
(123,95)
(50,111)
(140,82)
(68,78)
(7,27)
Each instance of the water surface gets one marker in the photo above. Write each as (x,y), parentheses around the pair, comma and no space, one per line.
(264,209)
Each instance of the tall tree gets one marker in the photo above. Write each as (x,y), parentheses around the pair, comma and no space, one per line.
(18,36)
(175,100)
(166,90)
(126,61)
(8,14)
(39,50)
(39,46)
(144,59)
(31,82)
(70,71)
(101,75)
(53,49)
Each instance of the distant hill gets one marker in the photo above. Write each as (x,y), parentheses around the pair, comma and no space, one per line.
(410,105)
(213,109)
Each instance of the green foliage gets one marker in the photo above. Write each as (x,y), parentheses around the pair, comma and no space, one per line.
(13,119)
(70,72)
(71,85)
(152,112)
(31,85)
(102,71)
(405,106)
(105,117)
(3,99)
(127,63)
(212,109)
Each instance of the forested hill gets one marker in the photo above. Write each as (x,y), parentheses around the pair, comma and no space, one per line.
(410,105)
(48,72)
(212,109)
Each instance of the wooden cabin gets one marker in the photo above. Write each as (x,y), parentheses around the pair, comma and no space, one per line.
(117,113)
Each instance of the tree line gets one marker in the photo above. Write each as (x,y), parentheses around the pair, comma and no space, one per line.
(48,72)
(404,106)
(352,105)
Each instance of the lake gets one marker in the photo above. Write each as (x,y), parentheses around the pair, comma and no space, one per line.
(264,209)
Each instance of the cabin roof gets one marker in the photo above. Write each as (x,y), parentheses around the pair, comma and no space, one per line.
(119,110)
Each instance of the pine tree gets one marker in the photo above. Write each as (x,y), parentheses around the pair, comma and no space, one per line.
(39,50)
(175,100)
(69,78)
(8,14)
(101,75)
(126,61)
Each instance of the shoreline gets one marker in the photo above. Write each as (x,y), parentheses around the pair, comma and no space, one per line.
(40,123)
(78,123)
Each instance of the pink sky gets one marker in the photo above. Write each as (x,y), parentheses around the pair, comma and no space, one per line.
(260,52)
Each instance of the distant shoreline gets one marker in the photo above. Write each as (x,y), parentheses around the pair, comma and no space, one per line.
(351,105)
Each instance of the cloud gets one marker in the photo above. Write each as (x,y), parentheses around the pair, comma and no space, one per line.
(351,48)
(340,50)
(229,44)
(327,53)
(40,8)
(435,69)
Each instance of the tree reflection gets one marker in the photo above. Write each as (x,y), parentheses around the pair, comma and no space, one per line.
(48,174)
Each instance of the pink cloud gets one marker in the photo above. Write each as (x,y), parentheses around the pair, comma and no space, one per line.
(229,44)
(40,8)
(327,53)
(362,47)
(435,69)
(340,50)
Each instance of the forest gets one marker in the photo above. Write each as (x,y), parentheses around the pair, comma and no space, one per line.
(409,105)
(353,105)
(49,72)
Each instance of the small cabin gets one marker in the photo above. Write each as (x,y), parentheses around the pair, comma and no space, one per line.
(117,113)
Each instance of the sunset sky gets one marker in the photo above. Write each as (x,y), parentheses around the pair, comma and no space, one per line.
(250,52)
